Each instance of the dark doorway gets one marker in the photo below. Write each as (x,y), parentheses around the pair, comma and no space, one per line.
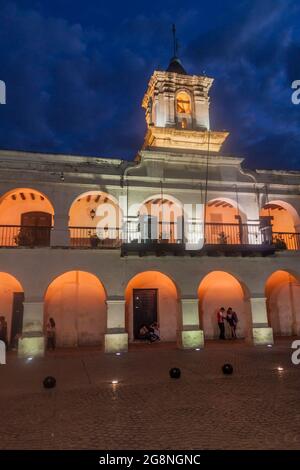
(144,309)
(35,230)
(17,318)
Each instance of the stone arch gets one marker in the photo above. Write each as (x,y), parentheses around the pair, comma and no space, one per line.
(183,101)
(26,218)
(285,222)
(160,217)
(225,222)
(77,302)
(222,289)
(167,301)
(282,291)
(95,215)
(11,306)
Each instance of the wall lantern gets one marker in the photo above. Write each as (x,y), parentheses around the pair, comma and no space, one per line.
(92,213)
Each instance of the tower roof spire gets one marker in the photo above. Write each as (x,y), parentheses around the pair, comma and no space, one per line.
(175,64)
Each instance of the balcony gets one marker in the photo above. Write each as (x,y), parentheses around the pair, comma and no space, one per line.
(24,236)
(218,239)
(286,240)
(229,239)
(91,237)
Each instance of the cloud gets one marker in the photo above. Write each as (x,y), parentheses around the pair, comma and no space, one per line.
(254,61)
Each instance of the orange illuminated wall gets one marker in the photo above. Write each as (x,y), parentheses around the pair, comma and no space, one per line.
(8,285)
(283,303)
(221,211)
(19,201)
(220,289)
(168,304)
(76,301)
(282,219)
(223,215)
(80,211)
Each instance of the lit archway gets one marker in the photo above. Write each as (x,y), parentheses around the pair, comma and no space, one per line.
(26,218)
(95,220)
(152,296)
(161,218)
(11,306)
(221,289)
(285,223)
(283,303)
(76,301)
(225,223)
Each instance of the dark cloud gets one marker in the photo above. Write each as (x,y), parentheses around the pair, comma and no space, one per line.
(76,73)
(255,58)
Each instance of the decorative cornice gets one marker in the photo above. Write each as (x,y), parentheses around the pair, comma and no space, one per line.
(170,138)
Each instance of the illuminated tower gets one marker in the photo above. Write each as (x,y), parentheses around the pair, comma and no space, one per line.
(177,110)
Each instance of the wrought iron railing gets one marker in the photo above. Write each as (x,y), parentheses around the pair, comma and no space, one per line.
(215,233)
(166,233)
(25,236)
(286,240)
(232,234)
(93,237)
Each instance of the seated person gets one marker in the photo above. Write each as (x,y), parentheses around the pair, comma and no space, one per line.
(144,333)
(154,332)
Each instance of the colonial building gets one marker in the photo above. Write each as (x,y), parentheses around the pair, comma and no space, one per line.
(104,246)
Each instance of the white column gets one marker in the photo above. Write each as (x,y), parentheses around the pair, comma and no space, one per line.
(32,342)
(60,232)
(116,338)
(191,335)
(262,333)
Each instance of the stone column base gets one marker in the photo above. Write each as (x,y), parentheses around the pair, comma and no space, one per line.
(263,336)
(191,339)
(115,342)
(31,346)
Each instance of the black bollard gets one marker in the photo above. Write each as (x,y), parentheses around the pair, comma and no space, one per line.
(175,373)
(49,382)
(227,369)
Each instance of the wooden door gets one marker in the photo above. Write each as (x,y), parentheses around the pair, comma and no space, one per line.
(39,234)
(144,309)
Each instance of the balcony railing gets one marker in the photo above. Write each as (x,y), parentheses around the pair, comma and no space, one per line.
(215,233)
(232,234)
(91,237)
(24,236)
(164,234)
(286,240)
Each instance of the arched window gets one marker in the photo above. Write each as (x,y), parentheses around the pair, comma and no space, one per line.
(183,103)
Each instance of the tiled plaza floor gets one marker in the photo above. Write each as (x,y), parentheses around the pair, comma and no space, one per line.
(258,407)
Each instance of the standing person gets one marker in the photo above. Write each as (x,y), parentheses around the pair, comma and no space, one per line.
(232,320)
(235,322)
(51,334)
(3,330)
(229,318)
(221,317)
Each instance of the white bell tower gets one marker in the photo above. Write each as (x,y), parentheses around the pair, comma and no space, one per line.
(177,110)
